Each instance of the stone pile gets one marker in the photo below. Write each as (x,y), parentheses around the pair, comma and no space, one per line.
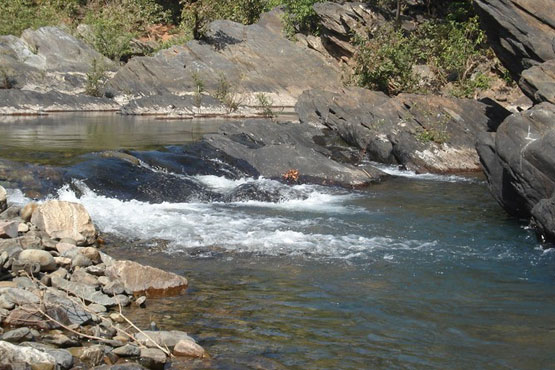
(62,298)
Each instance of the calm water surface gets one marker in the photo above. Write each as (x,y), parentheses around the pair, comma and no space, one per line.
(415,272)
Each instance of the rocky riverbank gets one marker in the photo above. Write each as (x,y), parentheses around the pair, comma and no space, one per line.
(62,299)
(518,158)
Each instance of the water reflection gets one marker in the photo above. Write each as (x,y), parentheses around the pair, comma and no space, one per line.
(58,138)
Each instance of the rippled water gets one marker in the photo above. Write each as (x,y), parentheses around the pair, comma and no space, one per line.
(415,272)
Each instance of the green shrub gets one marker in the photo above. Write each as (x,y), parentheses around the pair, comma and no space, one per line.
(115,23)
(197,14)
(95,79)
(300,16)
(265,103)
(199,89)
(226,94)
(6,80)
(384,61)
(453,47)
(18,15)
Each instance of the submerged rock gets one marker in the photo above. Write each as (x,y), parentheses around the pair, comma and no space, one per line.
(168,339)
(274,149)
(188,348)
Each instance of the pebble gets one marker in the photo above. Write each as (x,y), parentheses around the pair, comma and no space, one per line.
(140,302)
(22,228)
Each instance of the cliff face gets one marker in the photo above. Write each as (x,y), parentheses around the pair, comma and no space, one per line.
(518,159)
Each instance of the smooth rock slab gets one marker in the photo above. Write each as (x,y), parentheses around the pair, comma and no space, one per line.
(150,281)
(11,354)
(61,219)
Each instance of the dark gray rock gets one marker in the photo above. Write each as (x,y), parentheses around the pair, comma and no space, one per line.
(152,357)
(538,82)
(519,162)
(19,335)
(128,350)
(65,310)
(273,149)
(86,292)
(422,133)
(521,32)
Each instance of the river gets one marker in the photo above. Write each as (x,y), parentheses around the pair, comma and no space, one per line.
(419,271)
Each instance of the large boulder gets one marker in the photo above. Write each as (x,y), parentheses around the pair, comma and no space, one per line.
(145,280)
(519,162)
(422,133)
(47,59)
(275,149)
(539,82)
(61,219)
(254,59)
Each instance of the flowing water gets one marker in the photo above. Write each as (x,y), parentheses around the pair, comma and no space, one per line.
(420,271)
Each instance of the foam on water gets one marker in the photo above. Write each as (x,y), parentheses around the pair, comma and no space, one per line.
(16,197)
(396,171)
(234,226)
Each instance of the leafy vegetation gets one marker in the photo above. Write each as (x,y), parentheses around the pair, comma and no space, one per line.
(265,103)
(95,79)
(453,46)
(6,81)
(226,94)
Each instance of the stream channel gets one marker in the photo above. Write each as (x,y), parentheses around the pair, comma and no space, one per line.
(419,271)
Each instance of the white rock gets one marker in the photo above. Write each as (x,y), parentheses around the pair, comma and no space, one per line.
(61,219)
